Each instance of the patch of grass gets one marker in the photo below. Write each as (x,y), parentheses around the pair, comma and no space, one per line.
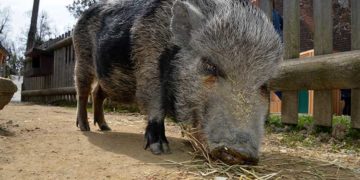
(347,145)
(305,121)
(307,135)
(108,107)
(292,139)
(343,120)
(63,103)
(354,133)
(121,108)
(275,119)
(310,141)
(295,139)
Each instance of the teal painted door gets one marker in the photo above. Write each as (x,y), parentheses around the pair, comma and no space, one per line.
(303,101)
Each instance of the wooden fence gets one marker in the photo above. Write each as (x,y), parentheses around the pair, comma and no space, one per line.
(60,84)
(321,73)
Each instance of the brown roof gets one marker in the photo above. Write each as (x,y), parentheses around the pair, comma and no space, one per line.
(3,49)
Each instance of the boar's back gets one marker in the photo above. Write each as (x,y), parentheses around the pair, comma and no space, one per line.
(114,38)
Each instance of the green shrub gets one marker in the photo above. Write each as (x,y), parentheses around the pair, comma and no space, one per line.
(343,120)
(274,119)
(305,121)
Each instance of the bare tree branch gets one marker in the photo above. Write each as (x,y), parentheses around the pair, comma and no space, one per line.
(4,22)
(79,6)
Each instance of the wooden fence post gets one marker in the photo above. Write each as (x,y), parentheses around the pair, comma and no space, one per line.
(266,6)
(355,45)
(289,107)
(323,44)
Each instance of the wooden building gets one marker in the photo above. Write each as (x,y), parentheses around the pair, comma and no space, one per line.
(3,56)
(49,71)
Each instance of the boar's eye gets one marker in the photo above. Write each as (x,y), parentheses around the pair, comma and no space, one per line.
(209,68)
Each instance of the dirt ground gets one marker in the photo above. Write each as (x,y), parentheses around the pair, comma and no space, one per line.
(42,142)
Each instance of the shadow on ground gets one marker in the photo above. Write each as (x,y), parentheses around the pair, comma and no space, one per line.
(287,166)
(132,145)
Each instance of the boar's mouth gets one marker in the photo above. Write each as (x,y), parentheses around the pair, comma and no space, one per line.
(223,153)
(232,156)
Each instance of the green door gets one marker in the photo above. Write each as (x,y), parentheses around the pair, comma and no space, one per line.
(303,101)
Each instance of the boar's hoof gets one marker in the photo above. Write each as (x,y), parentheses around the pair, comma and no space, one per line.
(155,138)
(105,127)
(158,148)
(83,125)
(162,146)
(232,156)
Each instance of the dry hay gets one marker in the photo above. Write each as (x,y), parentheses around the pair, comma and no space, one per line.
(271,166)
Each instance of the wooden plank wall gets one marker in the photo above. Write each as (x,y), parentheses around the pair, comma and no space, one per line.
(355,45)
(62,76)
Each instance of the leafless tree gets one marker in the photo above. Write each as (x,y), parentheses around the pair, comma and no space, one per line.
(32,31)
(79,6)
(44,31)
(15,60)
(4,22)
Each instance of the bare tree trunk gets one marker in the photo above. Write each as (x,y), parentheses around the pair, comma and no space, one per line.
(32,32)
(4,21)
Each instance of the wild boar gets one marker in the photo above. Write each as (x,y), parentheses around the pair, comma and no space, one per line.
(203,61)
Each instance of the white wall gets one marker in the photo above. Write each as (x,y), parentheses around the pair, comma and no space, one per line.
(18,80)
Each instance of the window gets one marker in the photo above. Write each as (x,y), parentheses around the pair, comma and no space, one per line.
(36,63)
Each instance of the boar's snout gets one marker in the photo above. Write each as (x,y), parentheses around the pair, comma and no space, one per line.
(234,156)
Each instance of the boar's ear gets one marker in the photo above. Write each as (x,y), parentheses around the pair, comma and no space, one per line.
(186,19)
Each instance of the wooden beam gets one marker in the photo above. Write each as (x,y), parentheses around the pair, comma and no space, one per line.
(50,92)
(323,44)
(355,108)
(60,44)
(289,108)
(355,24)
(355,45)
(332,71)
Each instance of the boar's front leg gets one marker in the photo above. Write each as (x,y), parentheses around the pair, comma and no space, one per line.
(149,98)
(155,130)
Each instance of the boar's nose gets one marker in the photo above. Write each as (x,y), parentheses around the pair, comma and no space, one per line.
(233,156)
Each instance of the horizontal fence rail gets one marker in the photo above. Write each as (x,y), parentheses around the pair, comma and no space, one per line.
(62,43)
(50,92)
(332,71)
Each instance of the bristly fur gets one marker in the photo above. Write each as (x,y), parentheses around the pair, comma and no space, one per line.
(158,54)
